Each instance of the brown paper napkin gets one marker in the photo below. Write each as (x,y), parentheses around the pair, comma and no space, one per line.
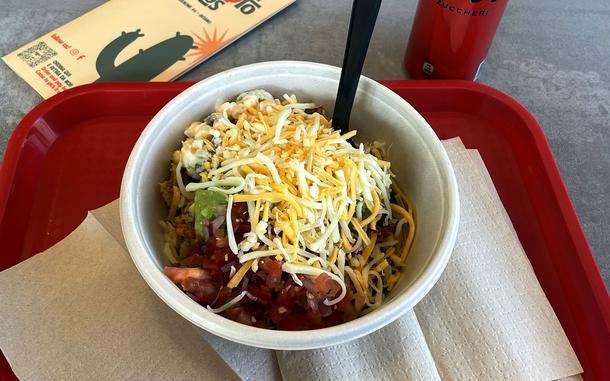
(80,311)
(486,319)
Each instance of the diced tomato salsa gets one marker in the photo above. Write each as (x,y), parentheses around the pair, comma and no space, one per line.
(274,299)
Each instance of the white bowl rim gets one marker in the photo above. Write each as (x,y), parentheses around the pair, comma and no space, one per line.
(276,339)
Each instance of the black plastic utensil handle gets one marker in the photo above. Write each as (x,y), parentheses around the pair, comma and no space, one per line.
(361,25)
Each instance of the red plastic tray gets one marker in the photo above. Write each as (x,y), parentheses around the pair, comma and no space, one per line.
(67,157)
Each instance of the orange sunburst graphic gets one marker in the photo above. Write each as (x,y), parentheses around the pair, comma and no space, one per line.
(207,45)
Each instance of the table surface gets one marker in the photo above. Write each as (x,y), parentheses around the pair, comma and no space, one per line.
(552,56)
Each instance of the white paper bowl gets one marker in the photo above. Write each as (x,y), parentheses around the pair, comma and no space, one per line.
(418,160)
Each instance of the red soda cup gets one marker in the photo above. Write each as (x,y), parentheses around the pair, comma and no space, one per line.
(450,38)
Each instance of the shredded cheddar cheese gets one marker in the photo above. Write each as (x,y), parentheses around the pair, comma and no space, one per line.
(239,274)
(315,201)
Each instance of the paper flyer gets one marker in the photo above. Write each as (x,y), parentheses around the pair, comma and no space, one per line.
(136,40)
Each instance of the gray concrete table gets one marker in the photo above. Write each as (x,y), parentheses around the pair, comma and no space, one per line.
(550,55)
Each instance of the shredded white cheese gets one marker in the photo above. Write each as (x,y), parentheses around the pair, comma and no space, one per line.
(313,199)
(229,222)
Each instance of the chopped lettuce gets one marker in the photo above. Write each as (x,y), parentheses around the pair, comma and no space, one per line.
(365,212)
(207,204)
